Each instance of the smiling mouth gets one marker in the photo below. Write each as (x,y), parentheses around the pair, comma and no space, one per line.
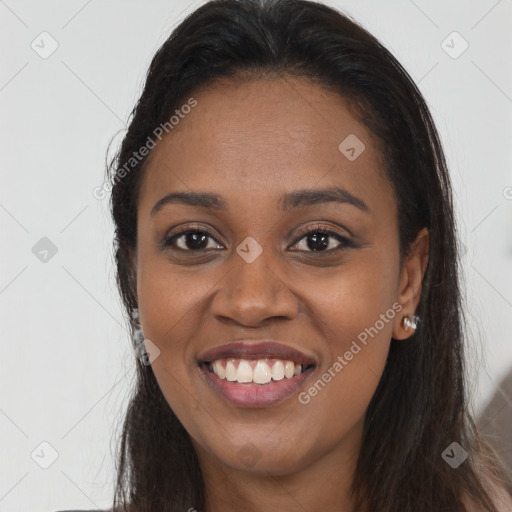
(255,373)
(265,371)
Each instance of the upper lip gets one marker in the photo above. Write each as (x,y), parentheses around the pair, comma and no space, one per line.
(251,350)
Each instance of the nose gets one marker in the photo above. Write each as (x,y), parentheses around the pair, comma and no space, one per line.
(252,293)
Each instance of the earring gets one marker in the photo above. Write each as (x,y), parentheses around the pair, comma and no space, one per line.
(138,334)
(410,322)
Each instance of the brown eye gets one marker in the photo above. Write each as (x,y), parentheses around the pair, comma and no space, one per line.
(321,239)
(192,240)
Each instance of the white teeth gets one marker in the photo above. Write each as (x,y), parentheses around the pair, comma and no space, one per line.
(289,369)
(278,370)
(258,372)
(262,373)
(244,372)
(219,369)
(230,371)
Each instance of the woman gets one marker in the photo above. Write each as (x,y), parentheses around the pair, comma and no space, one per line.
(285,247)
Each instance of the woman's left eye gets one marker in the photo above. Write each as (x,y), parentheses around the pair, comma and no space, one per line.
(322,240)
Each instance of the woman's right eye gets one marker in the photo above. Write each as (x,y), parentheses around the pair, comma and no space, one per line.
(191,240)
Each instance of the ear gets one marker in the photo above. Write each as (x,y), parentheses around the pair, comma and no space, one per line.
(410,285)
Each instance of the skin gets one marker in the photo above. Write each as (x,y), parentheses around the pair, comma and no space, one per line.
(249,143)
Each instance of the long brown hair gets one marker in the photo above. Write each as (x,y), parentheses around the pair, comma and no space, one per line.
(420,405)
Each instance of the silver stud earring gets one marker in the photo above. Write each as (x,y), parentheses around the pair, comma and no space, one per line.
(410,322)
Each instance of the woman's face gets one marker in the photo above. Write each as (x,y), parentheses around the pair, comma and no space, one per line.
(252,296)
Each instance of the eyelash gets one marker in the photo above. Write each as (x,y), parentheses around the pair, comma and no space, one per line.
(345,242)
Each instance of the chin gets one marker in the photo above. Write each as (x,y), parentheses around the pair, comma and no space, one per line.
(266,464)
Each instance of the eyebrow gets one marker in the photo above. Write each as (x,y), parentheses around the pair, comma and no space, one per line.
(291,200)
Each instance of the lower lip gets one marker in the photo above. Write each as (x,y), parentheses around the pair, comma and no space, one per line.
(255,395)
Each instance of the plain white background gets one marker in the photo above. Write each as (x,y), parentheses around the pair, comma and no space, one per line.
(66,366)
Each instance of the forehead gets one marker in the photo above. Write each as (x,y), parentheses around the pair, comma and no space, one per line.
(265,137)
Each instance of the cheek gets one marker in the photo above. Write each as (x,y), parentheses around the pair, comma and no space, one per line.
(347,301)
(354,310)
(171,309)
(355,316)
(169,298)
